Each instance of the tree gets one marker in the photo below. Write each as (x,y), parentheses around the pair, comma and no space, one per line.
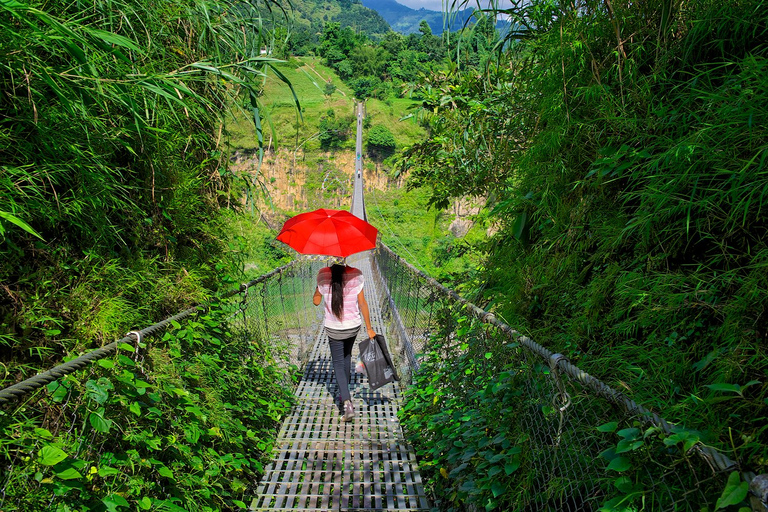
(425,29)
(393,43)
(329,89)
(381,142)
(368,60)
(334,131)
(365,86)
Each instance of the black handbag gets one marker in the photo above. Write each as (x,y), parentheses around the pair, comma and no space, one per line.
(378,363)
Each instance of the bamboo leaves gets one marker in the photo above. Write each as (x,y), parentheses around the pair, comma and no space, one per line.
(92,88)
(18,222)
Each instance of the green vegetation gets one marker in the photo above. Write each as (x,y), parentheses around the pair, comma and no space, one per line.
(379,69)
(111,154)
(334,131)
(251,244)
(185,424)
(308,17)
(619,150)
(381,142)
(289,128)
(622,151)
(309,79)
(114,208)
(422,236)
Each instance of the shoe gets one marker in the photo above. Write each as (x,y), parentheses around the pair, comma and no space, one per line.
(349,411)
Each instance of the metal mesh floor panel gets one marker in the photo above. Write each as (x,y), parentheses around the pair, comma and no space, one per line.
(322,463)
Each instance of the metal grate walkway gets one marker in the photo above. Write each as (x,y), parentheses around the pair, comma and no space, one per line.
(324,464)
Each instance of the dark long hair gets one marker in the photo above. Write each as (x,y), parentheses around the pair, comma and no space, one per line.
(337,290)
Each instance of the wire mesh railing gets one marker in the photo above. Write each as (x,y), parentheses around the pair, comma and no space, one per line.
(501,423)
(178,416)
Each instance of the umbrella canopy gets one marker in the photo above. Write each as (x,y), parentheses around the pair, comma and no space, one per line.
(328,232)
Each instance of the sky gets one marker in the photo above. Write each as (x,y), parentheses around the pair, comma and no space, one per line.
(439,5)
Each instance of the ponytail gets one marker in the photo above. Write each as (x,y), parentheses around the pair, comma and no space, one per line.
(337,290)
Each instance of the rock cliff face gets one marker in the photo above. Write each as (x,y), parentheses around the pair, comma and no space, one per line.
(296,182)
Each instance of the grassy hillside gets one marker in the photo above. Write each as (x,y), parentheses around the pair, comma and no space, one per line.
(310,15)
(284,124)
(421,234)
(309,78)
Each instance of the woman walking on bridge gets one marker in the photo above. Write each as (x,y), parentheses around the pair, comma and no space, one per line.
(341,287)
(336,233)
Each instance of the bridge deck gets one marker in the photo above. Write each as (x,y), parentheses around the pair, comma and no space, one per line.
(323,463)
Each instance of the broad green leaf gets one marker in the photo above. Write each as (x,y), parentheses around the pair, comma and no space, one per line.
(58,391)
(239,504)
(114,502)
(468,486)
(609,454)
(619,504)
(139,384)
(106,363)
(155,443)
(164,471)
(623,483)
(44,433)
(112,38)
(626,445)
(497,488)
(721,386)
(608,427)
(99,423)
(12,4)
(51,455)
(629,433)
(619,464)
(96,391)
(734,493)
(135,408)
(108,471)
(497,458)
(125,360)
(455,471)
(68,474)
(511,467)
(145,503)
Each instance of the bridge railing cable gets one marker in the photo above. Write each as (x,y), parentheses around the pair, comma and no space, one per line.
(559,438)
(174,416)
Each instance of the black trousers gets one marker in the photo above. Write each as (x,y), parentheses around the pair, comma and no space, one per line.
(341,355)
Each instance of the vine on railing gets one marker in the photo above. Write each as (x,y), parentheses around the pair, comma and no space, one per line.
(501,423)
(180,423)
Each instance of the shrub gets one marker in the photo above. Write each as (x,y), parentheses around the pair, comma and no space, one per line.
(381,142)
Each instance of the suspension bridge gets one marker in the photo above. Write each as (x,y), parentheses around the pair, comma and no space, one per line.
(562,457)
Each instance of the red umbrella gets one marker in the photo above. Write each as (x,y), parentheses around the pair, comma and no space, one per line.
(328,232)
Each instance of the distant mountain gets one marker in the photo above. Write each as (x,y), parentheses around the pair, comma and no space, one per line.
(310,15)
(405,20)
